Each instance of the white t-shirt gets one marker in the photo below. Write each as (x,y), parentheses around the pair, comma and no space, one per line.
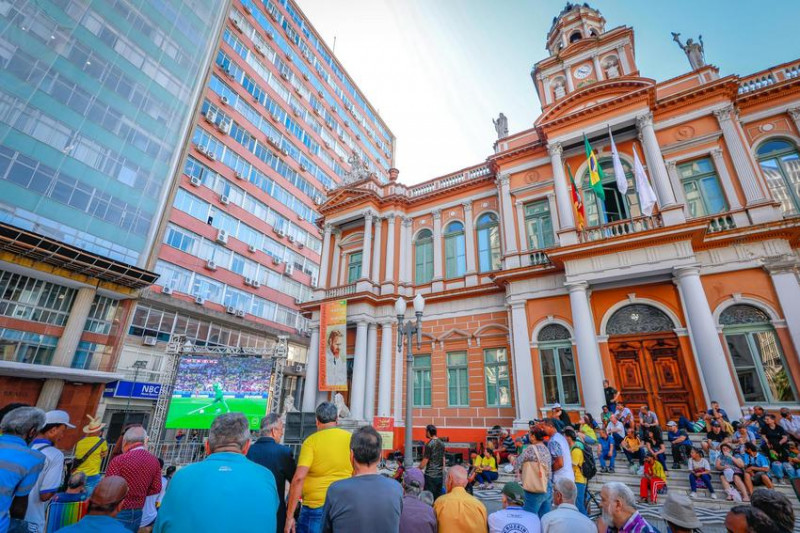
(702,463)
(567,519)
(49,481)
(566,470)
(514,520)
(150,511)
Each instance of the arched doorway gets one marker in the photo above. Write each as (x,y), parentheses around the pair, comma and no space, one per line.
(649,366)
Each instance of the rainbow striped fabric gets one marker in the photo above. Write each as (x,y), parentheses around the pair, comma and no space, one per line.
(64,511)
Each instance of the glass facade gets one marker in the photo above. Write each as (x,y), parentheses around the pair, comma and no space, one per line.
(94,100)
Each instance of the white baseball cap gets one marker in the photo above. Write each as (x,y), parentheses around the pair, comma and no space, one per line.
(57,417)
(556,406)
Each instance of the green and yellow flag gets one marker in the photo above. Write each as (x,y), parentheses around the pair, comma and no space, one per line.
(595,171)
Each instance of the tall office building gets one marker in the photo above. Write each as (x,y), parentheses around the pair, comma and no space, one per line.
(95,99)
(279,123)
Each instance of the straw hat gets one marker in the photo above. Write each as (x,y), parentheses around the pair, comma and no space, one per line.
(94,425)
(678,510)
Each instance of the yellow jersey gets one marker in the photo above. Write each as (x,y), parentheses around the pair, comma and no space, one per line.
(326,453)
(91,466)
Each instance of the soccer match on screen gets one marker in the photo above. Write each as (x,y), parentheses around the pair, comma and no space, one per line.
(206,387)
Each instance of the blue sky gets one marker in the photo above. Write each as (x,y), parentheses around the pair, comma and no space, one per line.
(438,71)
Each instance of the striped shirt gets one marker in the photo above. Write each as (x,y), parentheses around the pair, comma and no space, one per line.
(635,524)
(19,469)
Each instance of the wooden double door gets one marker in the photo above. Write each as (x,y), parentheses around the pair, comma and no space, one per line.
(652,370)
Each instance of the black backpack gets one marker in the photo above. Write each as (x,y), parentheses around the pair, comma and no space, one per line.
(588,468)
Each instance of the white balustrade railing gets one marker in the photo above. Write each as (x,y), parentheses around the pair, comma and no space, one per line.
(343,290)
(621,228)
(721,223)
(450,180)
(748,85)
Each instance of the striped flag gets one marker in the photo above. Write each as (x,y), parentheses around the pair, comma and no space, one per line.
(577,203)
(595,171)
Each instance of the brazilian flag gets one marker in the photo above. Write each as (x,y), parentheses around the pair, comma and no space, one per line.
(596,175)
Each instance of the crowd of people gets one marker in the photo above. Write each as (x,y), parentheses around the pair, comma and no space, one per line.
(335,485)
(231,374)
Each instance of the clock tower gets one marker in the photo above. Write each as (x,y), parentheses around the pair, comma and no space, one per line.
(582,52)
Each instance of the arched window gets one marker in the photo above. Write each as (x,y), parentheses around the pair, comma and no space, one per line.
(576,36)
(780,163)
(455,255)
(638,319)
(488,242)
(558,365)
(757,356)
(616,206)
(423,257)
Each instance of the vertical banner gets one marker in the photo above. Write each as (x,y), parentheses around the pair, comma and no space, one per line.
(384,425)
(333,346)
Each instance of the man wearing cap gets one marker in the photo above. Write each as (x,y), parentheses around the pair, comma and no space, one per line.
(89,453)
(714,439)
(681,445)
(52,475)
(679,514)
(512,517)
(104,505)
(417,516)
(566,518)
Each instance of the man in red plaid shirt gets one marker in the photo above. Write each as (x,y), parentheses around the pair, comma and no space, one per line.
(141,470)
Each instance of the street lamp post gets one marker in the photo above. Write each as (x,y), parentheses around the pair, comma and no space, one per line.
(406,331)
(137,365)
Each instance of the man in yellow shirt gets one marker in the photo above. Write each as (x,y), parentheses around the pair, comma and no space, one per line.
(457,511)
(324,458)
(576,454)
(89,453)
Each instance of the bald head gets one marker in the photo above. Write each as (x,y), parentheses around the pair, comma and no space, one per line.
(108,496)
(457,477)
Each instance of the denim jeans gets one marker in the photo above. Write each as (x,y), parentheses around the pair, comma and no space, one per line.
(130,518)
(705,478)
(780,470)
(603,458)
(310,520)
(538,503)
(638,454)
(486,477)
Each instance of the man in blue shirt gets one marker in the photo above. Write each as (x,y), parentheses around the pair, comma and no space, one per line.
(223,490)
(104,504)
(19,465)
(756,468)
(681,445)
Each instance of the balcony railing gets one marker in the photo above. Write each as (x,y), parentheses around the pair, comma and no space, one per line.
(621,228)
(539,258)
(749,85)
(343,290)
(450,180)
(721,223)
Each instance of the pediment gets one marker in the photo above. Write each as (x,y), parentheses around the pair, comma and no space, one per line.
(344,195)
(598,96)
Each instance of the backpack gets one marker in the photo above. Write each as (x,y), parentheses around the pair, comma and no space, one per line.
(588,467)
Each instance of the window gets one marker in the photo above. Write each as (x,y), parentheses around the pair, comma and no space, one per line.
(455,250)
(539,225)
(780,163)
(498,388)
(701,187)
(616,206)
(757,355)
(354,266)
(422,380)
(558,366)
(457,380)
(423,257)
(488,242)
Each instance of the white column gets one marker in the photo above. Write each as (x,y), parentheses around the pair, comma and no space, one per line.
(658,170)
(469,234)
(742,162)
(73,329)
(358,392)
(551,203)
(366,256)
(548,94)
(376,252)
(526,408)
(703,330)
(390,251)
(566,217)
(598,72)
(507,222)
(570,83)
(794,113)
(783,272)
(725,178)
(405,251)
(372,371)
(520,214)
(385,376)
(312,373)
(437,245)
(325,259)
(588,351)
(337,257)
(675,179)
(623,60)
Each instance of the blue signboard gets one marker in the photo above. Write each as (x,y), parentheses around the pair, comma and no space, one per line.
(129,389)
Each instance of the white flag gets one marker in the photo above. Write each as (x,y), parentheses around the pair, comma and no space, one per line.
(619,172)
(647,198)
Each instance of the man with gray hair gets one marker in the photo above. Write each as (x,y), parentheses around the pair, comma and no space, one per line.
(566,518)
(19,465)
(275,457)
(324,459)
(226,491)
(141,470)
(618,505)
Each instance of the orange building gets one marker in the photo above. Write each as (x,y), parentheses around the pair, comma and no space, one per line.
(527,306)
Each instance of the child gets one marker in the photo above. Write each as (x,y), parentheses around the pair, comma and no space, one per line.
(653,480)
(699,471)
(608,451)
(488,470)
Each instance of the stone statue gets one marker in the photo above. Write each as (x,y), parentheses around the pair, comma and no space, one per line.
(341,408)
(359,170)
(694,51)
(501,126)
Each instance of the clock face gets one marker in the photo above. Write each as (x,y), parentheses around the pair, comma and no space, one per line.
(583,71)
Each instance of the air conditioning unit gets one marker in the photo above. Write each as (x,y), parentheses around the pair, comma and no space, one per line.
(274,15)
(297,112)
(231,310)
(285,76)
(289,56)
(301,245)
(271,35)
(279,232)
(303,167)
(248,281)
(199,300)
(319,201)
(260,49)
(166,290)
(251,248)
(289,269)
(195,181)
(272,140)
(222,236)
(229,72)
(255,284)
(211,116)
(224,200)
(238,175)
(211,265)
(346,123)
(240,313)
(225,100)
(358,136)
(225,127)
(149,340)
(284,151)
(277,261)
(327,144)
(200,148)
(314,281)
(298,301)
(291,238)
(317,111)
(319,92)
(237,25)
(305,76)
(341,136)
(210,155)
